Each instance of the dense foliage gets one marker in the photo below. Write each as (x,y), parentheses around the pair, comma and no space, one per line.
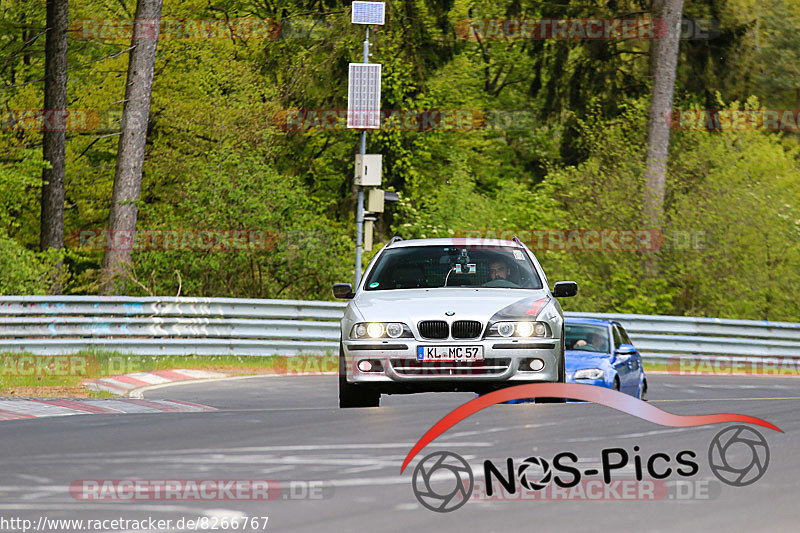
(555,141)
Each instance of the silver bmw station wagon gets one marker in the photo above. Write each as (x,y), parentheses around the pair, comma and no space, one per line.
(450,315)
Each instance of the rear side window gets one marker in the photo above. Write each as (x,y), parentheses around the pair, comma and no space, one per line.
(624,335)
(617,336)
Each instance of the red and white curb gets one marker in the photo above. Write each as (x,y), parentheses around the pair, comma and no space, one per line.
(29,408)
(125,384)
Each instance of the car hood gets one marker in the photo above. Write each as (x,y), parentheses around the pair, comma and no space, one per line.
(412,305)
(577,359)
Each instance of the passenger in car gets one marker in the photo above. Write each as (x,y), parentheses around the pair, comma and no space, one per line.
(408,277)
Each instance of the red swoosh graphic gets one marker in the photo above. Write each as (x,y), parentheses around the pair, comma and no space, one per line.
(590,393)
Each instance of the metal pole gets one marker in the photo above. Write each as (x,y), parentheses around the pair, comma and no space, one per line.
(359,231)
(360,204)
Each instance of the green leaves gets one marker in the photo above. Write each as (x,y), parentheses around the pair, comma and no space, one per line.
(23,271)
(557,144)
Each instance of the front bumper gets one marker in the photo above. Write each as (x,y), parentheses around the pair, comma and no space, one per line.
(395,366)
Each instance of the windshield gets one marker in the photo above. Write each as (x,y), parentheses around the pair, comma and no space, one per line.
(453,266)
(586,338)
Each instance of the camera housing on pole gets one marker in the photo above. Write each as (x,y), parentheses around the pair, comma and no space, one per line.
(368,170)
(375,201)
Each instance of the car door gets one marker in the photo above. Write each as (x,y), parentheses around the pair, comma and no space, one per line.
(624,364)
(636,360)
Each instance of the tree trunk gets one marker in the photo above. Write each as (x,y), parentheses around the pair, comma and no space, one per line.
(130,153)
(54,125)
(663,62)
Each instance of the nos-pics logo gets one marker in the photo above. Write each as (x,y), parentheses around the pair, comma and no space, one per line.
(443,481)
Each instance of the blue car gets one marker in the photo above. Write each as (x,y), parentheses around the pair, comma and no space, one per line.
(599,352)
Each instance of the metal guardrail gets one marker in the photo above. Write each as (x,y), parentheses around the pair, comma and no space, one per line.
(168,326)
(213,326)
(660,337)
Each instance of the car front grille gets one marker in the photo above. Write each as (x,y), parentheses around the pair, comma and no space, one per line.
(433,329)
(486,367)
(439,329)
(466,329)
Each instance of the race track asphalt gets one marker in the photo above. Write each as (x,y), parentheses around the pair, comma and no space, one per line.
(288,429)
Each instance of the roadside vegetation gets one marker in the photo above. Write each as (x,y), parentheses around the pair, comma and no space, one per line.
(558,143)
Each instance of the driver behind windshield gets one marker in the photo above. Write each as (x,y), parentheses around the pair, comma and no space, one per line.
(498,269)
(595,342)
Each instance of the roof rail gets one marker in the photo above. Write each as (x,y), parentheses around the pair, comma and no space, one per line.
(394,240)
(516,240)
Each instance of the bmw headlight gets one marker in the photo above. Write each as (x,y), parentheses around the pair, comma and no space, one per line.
(380,330)
(518,329)
(394,329)
(375,330)
(506,329)
(588,373)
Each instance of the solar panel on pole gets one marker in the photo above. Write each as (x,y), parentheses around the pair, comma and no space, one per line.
(364,96)
(368,13)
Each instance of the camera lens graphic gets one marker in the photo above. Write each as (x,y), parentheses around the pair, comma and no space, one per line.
(443,482)
(738,455)
(527,473)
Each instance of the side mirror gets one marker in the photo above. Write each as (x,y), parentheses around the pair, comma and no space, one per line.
(626,349)
(563,289)
(343,290)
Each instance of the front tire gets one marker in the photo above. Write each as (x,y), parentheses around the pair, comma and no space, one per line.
(350,395)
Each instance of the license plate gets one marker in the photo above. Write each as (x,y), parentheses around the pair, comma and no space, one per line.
(449,353)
